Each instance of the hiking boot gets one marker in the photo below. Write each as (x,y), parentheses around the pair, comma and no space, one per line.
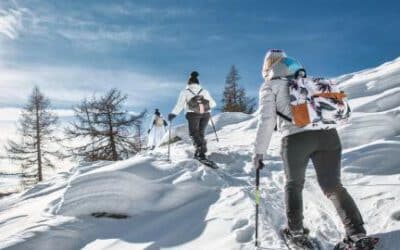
(357,237)
(298,238)
(200,153)
(357,242)
(197,152)
(202,156)
(362,241)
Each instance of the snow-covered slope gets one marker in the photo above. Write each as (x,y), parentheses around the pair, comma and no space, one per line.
(183,205)
(375,97)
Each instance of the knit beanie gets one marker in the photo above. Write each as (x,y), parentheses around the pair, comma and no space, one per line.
(193,78)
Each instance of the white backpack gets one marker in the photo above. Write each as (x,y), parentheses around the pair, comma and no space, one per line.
(317,103)
(159,121)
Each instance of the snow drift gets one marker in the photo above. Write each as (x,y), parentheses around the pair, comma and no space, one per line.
(120,191)
(374,97)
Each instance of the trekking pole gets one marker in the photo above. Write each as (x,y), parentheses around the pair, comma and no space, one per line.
(257,199)
(169,141)
(213,126)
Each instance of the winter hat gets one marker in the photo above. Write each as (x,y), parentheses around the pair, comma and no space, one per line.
(157,112)
(290,67)
(272,57)
(193,78)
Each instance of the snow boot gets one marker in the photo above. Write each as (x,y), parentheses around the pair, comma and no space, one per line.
(196,151)
(357,242)
(298,239)
(200,153)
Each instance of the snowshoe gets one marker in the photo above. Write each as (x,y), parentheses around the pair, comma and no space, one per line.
(299,241)
(206,162)
(363,243)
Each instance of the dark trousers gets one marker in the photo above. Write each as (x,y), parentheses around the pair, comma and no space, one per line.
(324,149)
(197,127)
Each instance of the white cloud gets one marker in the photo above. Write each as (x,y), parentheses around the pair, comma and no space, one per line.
(68,85)
(85,27)
(11,22)
(137,10)
(113,35)
(65,85)
(13,114)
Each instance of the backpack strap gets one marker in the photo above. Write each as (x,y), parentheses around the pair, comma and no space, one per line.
(278,78)
(191,92)
(195,93)
(285,117)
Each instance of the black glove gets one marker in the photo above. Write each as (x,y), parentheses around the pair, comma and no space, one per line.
(258,161)
(171,117)
(148,131)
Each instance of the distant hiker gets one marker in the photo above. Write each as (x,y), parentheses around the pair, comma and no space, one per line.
(198,103)
(299,144)
(157,130)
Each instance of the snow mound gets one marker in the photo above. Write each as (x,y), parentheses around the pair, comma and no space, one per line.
(381,102)
(123,192)
(375,99)
(224,119)
(367,128)
(374,159)
(371,81)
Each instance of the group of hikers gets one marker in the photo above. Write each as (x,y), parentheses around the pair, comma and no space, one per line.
(302,139)
(198,103)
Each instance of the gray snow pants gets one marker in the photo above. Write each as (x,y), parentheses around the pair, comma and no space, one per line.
(197,127)
(324,149)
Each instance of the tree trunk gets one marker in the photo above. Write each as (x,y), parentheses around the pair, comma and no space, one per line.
(38,146)
(140,141)
(92,154)
(112,140)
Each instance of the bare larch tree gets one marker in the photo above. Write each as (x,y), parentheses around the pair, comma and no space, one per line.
(105,130)
(36,128)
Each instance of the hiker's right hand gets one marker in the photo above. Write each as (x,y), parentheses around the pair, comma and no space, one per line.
(258,161)
(171,117)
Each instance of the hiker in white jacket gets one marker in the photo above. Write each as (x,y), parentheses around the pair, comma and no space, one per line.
(298,147)
(157,130)
(198,103)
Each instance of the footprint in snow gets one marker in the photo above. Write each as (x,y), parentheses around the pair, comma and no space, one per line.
(239,224)
(245,235)
(396,216)
(382,202)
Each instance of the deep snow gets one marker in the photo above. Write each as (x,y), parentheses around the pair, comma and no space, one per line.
(183,205)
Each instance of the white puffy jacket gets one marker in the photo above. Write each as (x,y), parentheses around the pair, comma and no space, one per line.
(274,96)
(186,95)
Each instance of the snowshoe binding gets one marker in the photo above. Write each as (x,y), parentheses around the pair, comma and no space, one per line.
(299,240)
(206,162)
(361,242)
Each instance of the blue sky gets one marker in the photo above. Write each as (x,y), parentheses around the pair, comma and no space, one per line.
(73,49)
